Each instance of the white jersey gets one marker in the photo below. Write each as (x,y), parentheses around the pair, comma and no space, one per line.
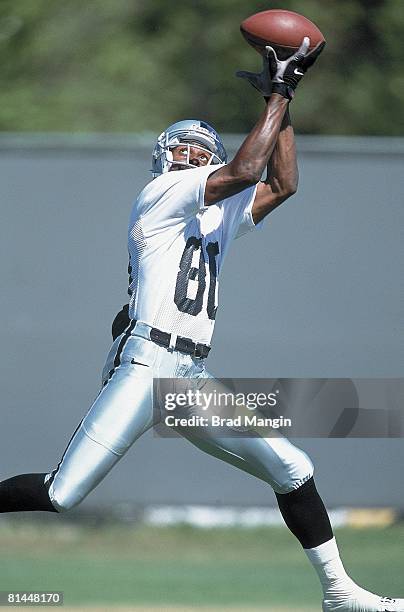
(176,250)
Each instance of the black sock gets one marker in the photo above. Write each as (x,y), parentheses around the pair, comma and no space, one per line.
(304,513)
(25,492)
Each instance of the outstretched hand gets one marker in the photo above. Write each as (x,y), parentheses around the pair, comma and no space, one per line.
(286,74)
(282,76)
(262,81)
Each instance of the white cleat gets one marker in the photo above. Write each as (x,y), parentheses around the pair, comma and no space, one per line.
(351,598)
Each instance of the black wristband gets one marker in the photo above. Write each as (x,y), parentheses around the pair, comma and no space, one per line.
(283,90)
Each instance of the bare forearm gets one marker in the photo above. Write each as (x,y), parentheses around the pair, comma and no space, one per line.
(282,170)
(254,154)
(252,157)
(282,174)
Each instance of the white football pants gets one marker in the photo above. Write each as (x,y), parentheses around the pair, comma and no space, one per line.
(123,411)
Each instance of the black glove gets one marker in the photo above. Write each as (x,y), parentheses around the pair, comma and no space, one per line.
(282,76)
(260,80)
(286,74)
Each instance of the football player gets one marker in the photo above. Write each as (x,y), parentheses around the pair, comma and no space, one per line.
(180,229)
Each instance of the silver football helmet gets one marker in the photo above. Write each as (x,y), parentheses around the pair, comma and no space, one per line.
(189,131)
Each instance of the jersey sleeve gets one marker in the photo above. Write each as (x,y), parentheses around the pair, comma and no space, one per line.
(237,213)
(173,197)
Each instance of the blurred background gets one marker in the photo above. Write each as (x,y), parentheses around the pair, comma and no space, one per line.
(132,66)
(85,90)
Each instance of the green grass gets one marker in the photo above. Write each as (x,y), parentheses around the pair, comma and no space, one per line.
(185,566)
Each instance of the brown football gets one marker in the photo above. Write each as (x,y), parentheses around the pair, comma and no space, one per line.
(281,29)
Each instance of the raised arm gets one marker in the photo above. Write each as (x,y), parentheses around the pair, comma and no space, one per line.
(282,174)
(277,82)
(252,157)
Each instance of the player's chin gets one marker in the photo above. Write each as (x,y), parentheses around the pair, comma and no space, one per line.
(180,167)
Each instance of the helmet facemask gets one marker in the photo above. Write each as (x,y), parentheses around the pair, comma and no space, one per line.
(212,157)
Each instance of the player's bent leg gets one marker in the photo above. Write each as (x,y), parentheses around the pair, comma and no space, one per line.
(121,413)
(304,514)
(84,465)
(274,460)
(290,473)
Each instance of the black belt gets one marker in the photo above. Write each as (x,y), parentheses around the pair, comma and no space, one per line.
(183,345)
